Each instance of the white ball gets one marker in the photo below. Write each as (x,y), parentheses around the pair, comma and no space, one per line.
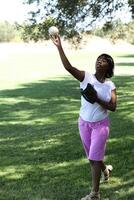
(53,30)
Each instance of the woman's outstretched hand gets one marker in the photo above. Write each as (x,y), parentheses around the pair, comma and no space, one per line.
(56,40)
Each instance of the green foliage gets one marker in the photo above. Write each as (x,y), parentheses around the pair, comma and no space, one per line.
(74,16)
(36,31)
(130,32)
(131,4)
(117,30)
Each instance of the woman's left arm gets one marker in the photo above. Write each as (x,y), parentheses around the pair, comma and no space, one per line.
(111,105)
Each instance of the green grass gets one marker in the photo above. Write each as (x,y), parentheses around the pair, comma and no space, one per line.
(41,156)
(41,153)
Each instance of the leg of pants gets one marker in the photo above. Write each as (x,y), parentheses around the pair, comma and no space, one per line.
(94,136)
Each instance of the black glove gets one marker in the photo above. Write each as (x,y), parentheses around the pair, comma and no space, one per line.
(89,93)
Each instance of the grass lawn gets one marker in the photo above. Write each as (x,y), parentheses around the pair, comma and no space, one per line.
(41,156)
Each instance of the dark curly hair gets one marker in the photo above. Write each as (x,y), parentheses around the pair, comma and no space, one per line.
(109,59)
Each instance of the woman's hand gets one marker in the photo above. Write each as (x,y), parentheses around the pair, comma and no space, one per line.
(111,105)
(56,40)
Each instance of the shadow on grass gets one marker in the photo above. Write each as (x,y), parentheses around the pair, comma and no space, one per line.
(41,156)
(125,64)
(127,56)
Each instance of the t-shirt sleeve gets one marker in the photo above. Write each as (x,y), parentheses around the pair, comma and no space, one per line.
(112,85)
(86,80)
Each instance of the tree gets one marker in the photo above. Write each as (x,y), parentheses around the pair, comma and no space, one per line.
(72,16)
(131,4)
(36,31)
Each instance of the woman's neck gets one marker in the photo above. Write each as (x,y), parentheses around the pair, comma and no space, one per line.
(100,77)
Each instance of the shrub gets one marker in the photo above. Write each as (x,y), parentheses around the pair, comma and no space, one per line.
(7,32)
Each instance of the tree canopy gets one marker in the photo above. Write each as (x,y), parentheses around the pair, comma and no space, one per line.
(131,4)
(71,17)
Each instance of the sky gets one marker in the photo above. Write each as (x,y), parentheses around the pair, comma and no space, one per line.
(15,10)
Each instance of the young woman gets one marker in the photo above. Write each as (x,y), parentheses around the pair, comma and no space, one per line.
(98,96)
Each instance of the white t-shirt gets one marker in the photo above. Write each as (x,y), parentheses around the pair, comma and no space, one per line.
(95,112)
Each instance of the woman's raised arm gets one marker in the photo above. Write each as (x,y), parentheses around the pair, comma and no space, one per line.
(78,74)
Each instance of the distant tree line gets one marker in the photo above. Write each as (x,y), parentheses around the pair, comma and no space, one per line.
(7,32)
(115,31)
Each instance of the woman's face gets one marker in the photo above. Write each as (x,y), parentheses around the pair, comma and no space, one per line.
(101,65)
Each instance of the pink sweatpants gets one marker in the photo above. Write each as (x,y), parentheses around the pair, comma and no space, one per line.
(94,136)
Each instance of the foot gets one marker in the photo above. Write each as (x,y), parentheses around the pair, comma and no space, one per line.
(92,196)
(106,173)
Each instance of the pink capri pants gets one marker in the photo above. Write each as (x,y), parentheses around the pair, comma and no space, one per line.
(94,136)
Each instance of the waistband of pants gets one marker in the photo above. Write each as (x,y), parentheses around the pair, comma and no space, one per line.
(97,123)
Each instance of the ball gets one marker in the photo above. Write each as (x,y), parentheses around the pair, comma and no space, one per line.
(53,30)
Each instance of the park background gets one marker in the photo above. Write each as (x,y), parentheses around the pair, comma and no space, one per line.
(41,156)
